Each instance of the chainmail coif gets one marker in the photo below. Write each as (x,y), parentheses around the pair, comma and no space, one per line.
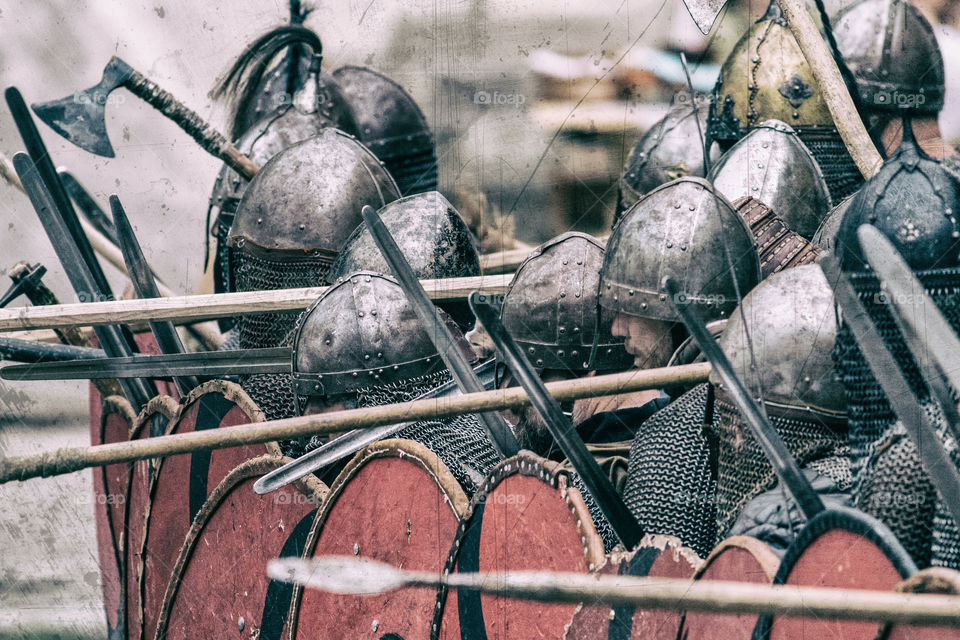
(670,487)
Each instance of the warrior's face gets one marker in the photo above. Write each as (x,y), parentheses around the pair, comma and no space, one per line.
(648,341)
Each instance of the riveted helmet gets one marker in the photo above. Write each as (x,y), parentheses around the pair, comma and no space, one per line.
(683,229)
(670,149)
(773,166)
(295,216)
(550,308)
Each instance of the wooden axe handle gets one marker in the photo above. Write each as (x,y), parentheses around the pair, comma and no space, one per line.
(196,127)
(835,92)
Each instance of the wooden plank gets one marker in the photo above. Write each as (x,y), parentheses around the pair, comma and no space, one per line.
(188,309)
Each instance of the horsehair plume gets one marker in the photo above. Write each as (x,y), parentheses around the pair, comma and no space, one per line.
(243,78)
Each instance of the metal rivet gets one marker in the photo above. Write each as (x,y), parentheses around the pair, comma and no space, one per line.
(374,625)
(259,220)
(241,623)
(356,549)
(360,314)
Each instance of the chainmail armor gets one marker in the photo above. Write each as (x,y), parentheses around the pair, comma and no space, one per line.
(255,273)
(600,522)
(890,483)
(670,487)
(743,471)
(839,170)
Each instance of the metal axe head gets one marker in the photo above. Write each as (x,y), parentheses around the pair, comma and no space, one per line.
(704,12)
(81,117)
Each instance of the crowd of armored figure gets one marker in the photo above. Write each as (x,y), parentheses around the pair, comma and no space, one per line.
(741,230)
(729,208)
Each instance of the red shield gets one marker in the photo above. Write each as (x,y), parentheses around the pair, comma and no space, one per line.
(838,548)
(109,493)
(395,502)
(182,484)
(738,559)
(523,517)
(656,556)
(933,580)
(218,587)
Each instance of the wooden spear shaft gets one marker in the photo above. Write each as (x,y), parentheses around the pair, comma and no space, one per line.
(67,460)
(188,309)
(835,93)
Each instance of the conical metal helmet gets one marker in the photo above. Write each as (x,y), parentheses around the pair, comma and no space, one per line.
(550,308)
(429,231)
(683,229)
(295,216)
(670,149)
(779,341)
(913,200)
(893,54)
(773,166)
(392,126)
(361,333)
(766,77)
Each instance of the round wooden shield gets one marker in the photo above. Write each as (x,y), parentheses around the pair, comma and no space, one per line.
(219,587)
(159,413)
(395,502)
(523,517)
(737,559)
(109,494)
(932,580)
(841,548)
(656,556)
(181,485)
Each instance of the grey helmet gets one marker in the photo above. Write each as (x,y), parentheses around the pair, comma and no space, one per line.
(670,149)
(772,165)
(779,342)
(827,233)
(686,230)
(913,200)
(294,218)
(893,54)
(433,238)
(550,308)
(428,229)
(360,334)
(392,126)
(271,111)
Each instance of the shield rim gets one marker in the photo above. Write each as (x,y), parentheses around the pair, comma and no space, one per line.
(308,485)
(550,472)
(409,450)
(846,519)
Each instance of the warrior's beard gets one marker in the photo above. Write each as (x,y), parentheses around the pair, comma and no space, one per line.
(532,432)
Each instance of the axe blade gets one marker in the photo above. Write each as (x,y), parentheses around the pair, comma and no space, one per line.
(81,117)
(704,12)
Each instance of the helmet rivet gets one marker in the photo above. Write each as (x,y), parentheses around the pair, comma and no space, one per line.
(259,220)
(531,350)
(663,298)
(302,226)
(577,294)
(379,354)
(669,245)
(396,367)
(563,294)
(677,206)
(630,292)
(373,313)
(366,356)
(579,262)
(360,314)
(643,305)
(354,374)
(539,362)
(316,387)
(565,262)
(560,353)
(576,329)
(693,207)
(562,330)
(327,341)
(574,354)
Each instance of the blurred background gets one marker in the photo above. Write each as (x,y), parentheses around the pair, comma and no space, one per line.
(535,105)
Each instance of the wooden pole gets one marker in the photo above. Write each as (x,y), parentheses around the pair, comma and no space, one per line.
(360,576)
(67,460)
(835,93)
(188,309)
